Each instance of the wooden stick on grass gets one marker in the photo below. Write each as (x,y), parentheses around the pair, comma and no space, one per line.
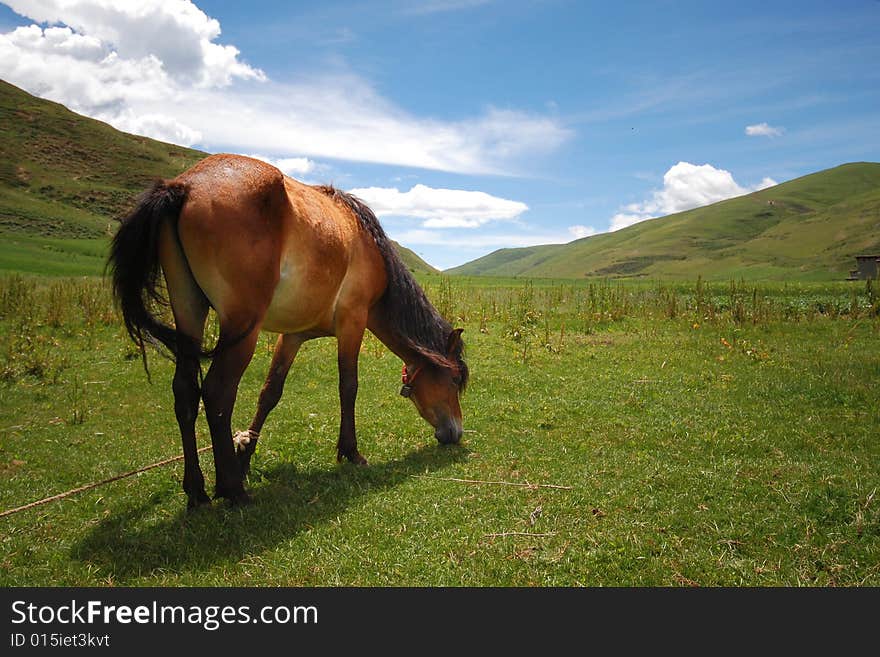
(103,482)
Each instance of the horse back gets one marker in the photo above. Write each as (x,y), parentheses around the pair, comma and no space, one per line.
(266,248)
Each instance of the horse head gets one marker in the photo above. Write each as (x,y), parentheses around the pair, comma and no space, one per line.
(434,386)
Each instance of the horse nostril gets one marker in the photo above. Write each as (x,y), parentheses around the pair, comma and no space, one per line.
(449,434)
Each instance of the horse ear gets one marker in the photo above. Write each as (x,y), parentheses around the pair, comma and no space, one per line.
(453,342)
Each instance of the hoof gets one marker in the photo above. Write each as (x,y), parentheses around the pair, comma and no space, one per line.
(241,499)
(235,494)
(355,458)
(237,499)
(198,501)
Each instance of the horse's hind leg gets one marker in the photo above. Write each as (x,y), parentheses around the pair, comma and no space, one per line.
(219,391)
(186,408)
(190,308)
(286,349)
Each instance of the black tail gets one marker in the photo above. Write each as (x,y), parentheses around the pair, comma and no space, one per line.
(134,265)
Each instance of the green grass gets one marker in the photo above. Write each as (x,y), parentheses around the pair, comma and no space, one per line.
(712,434)
(52,256)
(810,228)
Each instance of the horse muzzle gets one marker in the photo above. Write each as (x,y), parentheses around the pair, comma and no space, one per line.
(448,433)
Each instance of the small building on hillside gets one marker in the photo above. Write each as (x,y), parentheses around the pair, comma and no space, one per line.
(867,266)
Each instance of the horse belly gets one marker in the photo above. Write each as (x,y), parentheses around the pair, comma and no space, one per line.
(303,302)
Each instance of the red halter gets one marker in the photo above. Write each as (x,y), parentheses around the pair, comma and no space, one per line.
(408,380)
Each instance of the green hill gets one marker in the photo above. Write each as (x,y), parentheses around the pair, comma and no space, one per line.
(808,228)
(413,262)
(65,177)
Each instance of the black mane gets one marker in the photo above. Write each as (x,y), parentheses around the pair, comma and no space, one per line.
(412,317)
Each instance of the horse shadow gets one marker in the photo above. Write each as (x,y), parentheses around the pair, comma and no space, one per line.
(133,543)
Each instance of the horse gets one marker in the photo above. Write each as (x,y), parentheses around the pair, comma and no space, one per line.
(270,253)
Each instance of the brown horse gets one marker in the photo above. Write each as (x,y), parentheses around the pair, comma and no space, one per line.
(267,252)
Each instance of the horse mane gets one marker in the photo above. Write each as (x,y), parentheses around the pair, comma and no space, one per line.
(412,317)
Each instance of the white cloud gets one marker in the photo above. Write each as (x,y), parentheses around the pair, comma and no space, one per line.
(623,219)
(579,231)
(342,117)
(480,241)
(60,39)
(766,182)
(440,208)
(763,130)
(88,77)
(155,67)
(685,186)
(504,134)
(443,210)
(157,126)
(292,166)
(176,32)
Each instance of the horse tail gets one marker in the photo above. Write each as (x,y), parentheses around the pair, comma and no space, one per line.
(134,265)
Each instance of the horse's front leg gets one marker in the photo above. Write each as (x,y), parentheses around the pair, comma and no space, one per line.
(349,349)
(286,349)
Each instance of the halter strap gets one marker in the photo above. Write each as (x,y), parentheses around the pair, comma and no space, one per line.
(407,378)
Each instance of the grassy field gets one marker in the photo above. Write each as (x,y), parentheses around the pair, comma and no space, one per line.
(722,434)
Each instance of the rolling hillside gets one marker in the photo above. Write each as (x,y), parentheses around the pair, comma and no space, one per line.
(413,262)
(65,177)
(808,228)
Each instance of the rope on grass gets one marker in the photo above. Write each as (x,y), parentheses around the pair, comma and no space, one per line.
(96,484)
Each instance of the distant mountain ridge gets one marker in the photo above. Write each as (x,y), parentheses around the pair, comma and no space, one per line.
(810,228)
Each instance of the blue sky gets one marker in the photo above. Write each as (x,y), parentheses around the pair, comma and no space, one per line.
(473,125)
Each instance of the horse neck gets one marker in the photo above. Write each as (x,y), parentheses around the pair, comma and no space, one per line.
(380,327)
